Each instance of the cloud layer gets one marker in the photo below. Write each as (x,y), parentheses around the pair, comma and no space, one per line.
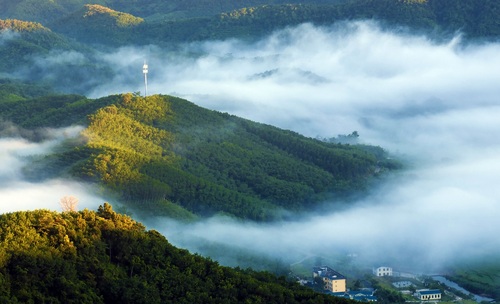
(434,103)
(18,194)
(396,90)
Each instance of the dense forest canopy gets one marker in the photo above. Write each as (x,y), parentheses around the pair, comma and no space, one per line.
(106,257)
(165,155)
(119,23)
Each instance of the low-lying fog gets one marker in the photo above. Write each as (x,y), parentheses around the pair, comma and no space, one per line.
(18,194)
(435,104)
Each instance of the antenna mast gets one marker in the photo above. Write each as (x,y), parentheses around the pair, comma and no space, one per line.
(145,72)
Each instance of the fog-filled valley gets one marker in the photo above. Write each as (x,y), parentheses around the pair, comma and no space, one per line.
(432,104)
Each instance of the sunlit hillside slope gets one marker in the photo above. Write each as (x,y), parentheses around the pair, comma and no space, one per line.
(165,155)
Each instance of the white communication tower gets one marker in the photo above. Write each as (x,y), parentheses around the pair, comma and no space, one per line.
(145,72)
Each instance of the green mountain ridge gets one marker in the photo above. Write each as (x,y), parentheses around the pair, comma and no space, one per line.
(33,53)
(115,23)
(97,23)
(106,257)
(47,11)
(26,40)
(253,22)
(41,10)
(166,156)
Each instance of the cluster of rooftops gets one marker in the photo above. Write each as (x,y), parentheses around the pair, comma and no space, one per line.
(335,283)
(327,272)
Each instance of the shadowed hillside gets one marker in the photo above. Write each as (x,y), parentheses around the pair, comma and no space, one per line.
(21,41)
(33,53)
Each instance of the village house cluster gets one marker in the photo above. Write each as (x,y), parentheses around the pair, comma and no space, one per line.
(335,283)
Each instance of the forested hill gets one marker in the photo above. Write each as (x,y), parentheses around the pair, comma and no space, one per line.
(476,19)
(104,257)
(75,35)
(116,22)
(31,52)
(167,156)
(20,40)
(46,11)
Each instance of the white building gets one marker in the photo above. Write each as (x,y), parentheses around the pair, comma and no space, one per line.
(382,271)
(428,294)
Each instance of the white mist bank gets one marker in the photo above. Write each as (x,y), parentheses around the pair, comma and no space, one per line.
(436,104)
(18,194)
(424,221)
(399,91)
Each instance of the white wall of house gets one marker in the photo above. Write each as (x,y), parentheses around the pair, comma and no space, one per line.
(426,294)
(382,271)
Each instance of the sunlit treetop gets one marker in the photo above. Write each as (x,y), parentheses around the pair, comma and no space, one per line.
(21,26)
(122,19)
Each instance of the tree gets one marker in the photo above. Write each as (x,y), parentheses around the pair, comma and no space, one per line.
(69,203)
(356,285)
(319,283)
(412,289)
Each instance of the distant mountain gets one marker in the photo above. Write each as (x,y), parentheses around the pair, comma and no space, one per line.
(105,257)
(477,19)
(21,40)
(47,11)
(165,155)
(157,22)
(96,23)
(31,52)
(43,11)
